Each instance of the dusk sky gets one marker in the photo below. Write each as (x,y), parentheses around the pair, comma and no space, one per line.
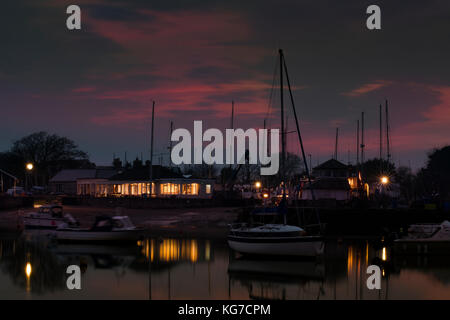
(96,85)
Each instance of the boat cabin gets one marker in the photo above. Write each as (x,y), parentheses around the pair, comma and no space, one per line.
(107,223)
(55,211)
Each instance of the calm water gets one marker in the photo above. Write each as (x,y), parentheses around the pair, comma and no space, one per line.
(202,269)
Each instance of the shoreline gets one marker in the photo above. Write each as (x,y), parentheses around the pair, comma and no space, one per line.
(211,223)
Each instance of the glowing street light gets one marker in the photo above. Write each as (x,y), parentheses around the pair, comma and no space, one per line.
(384,180)
(258,184)
(29,166)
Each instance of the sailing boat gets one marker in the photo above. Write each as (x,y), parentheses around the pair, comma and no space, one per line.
(277,239)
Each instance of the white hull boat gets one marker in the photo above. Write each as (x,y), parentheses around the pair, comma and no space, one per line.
(425,239)
(105,229)
(274,240)
(47,217)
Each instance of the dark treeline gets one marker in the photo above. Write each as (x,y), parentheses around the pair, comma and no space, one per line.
(49,153)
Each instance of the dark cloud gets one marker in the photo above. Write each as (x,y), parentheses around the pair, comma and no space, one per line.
(195,57)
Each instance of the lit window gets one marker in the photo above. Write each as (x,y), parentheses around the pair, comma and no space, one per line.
(170,188)
(208,188)
(190,189)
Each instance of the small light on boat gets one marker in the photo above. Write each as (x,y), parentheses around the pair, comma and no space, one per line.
(29,166)
(384,180)
(28,270)
(257,184)
(383,255)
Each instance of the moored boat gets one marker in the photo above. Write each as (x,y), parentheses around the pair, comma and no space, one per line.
(425,239)
(47,217)
(274,240)
(105,229)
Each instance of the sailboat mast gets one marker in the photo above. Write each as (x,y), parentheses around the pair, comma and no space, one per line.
(232,124)
(232,114)
(283,136)
(300,138)
(357,142)
(336,144)
(151,148)
(170,144)
(388,155)
(362,138)
(381,134)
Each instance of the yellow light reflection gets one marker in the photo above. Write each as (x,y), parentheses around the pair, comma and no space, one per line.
(28,270)
(350,260)
(208,251)
(383,254)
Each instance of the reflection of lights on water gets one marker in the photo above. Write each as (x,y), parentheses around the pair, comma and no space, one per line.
(173,250)
(350,260)
(194,251)
(367,253)
(208,251)
(383,254)
(383,273)
(28,270)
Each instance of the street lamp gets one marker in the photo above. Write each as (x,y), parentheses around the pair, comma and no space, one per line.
(384,180)
(257,185)
(29,167)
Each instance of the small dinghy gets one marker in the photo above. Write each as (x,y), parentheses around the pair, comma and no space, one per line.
(47,217)
(105,229)
(425,239)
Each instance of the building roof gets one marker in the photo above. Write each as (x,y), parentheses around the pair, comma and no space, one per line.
(331,164)
(330,184)
(71,175)
(143,174)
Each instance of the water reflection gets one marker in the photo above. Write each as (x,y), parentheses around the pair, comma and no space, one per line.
(172,250)
(180,268)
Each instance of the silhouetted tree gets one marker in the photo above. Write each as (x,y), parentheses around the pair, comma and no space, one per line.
(49,153)
(406,179)
(137,163)
(373,169)
(437,172)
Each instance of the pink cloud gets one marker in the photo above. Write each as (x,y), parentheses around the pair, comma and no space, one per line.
(83,89)
(368,87)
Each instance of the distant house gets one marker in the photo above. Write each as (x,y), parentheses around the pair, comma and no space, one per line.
(331,169)
(331,181)
(65,181)
(327,188)
(135,182)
